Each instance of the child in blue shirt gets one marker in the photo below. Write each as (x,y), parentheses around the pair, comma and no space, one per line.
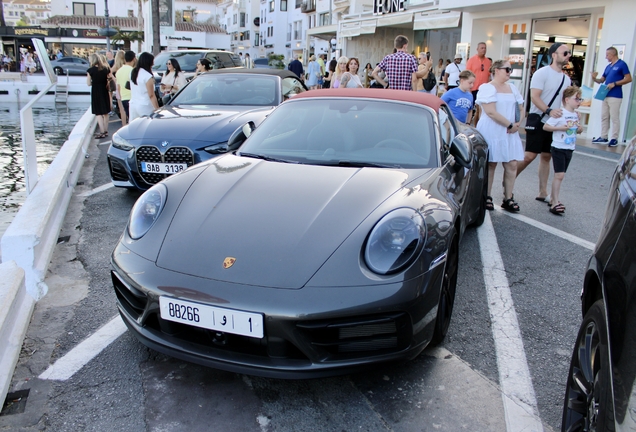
(460,99)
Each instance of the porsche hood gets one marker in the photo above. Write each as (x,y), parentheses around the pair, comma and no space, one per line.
(270,224)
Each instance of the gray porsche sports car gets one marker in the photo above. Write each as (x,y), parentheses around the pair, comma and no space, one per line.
(325,242)
(196,124)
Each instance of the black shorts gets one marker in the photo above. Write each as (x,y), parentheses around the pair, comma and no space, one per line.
(124,103)
(474,92)
(538,141)
(561,159)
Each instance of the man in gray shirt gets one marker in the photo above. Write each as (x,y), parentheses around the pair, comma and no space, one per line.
(543,87)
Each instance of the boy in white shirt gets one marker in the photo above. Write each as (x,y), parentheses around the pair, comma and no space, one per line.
(564,130)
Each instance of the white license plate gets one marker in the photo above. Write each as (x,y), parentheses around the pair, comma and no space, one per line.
(162,168)
(211,317)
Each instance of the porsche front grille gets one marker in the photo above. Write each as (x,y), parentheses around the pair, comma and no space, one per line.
(153,154)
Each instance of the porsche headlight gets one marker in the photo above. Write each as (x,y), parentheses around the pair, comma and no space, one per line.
(146,211)
(121,144)
(395,241)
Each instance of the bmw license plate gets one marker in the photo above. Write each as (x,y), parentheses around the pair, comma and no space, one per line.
(211,317)
(162,168)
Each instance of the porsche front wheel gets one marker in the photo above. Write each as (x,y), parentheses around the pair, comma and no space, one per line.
(588,402)
(447,296)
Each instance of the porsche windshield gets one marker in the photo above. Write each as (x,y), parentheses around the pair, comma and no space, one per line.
(230,89)
(347,132)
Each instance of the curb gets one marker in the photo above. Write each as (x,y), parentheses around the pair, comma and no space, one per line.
(29,242)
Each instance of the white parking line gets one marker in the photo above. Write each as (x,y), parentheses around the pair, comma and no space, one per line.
(547,228)
(519,400)
(75,359)
(97,190)
(596,157)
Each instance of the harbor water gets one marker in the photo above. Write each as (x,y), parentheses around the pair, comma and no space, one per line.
(53,123)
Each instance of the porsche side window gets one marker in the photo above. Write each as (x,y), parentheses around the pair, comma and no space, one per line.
(447,128)
(291,86)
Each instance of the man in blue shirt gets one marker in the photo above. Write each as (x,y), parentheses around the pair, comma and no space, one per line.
(616,75)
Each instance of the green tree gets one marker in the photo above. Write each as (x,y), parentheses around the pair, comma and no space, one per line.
(127,37)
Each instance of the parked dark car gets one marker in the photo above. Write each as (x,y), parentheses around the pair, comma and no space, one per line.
(328,242)
(70,65)
(196,124)
(601,386)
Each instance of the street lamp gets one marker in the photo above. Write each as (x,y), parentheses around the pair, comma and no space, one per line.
(107,31)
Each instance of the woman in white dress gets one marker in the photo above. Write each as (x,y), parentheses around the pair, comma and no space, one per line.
(143,100)
(350,78)
(173,80)
(503,105)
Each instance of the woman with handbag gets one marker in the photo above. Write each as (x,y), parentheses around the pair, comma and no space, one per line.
(173,80)
(501,101)
(97,77)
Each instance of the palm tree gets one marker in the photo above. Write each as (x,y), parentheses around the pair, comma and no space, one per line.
(2,22)
(140,23)
(127,37)
(156,42)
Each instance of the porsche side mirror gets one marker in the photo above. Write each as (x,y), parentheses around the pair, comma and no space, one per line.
(239,136)
(460,149)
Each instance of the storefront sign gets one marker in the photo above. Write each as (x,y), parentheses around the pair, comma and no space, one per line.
(91,34)
(183,38)
(381,7)
(23,32)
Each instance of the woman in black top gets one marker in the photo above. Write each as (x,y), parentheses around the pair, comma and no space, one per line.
(97,77)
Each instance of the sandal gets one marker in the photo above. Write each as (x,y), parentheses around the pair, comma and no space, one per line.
(558,204)
(510,205)
(558,209)
(489,204)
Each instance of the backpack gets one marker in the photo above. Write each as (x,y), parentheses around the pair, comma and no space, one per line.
(429,82)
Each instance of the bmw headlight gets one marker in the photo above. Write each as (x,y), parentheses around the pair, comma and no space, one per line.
(146,211)
(395,241)
(121,144)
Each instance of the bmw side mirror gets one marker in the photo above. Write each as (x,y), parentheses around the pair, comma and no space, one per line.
(239,136)
(460,148)
(217,148)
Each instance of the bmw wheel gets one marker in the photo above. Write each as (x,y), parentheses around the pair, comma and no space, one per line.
(447,296)
(588,404)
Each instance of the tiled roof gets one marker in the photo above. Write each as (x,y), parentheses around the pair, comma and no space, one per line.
(124,23)
(93,22)
(192,27)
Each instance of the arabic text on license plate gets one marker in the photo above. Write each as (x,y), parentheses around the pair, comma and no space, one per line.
(211,317)
(162,168)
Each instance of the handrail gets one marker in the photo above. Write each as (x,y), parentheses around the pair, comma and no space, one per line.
(28,141)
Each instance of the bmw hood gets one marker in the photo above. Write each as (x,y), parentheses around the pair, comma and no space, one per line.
(207,123)
(275,223)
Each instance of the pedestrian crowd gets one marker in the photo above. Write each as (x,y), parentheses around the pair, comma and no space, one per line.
(478,93)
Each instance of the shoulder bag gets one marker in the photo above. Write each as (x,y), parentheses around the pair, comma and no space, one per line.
(533,122)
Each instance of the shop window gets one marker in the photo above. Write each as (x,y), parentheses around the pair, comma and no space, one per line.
(85,9)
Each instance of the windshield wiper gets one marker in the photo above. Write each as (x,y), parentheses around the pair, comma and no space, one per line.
(348,163)
(267,158)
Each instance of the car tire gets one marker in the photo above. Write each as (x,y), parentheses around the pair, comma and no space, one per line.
(588,403)
(58,70)
(482,202)
(447,294)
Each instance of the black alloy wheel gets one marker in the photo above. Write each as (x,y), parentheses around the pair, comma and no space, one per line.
(588,404)
(447,296)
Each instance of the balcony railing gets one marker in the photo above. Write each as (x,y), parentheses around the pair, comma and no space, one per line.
(308,6)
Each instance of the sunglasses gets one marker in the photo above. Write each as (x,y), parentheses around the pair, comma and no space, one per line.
(566,53)
(578,99)
(507,69)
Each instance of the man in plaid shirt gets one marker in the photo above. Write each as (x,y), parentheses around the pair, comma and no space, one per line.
(398,66)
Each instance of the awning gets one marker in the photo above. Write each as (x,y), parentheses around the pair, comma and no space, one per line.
(395,19)
(350,29)
(436,20)
(327,32)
